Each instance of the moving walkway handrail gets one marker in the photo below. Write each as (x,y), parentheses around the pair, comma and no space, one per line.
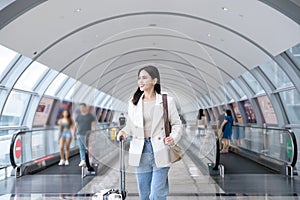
(13,143)
(267,130)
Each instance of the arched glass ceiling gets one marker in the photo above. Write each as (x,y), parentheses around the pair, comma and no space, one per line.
(294,53)
(277,76)
(253,83)
(6,56)
(56,85)
(31,77)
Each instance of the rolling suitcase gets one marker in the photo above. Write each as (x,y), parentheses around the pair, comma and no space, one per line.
(112,194)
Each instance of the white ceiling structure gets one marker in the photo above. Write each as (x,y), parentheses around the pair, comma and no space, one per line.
(197,45)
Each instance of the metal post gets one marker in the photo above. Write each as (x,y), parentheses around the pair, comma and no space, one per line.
(291,169)
(221,170)
(83,172)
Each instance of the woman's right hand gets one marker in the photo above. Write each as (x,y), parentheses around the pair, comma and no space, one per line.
(121,133)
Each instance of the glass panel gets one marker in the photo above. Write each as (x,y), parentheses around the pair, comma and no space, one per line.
(230,91)
(214,98)
(267,109)
(74,88)
(14,109)
(31,76)
(253,83)
(291,102)
(44,143)
(273,143)
(225,95)
(294,53)
(6,56)
(56,84)
(237,88)
(276,75)
(5,3)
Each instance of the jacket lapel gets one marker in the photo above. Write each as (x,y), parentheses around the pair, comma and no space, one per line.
(157,113)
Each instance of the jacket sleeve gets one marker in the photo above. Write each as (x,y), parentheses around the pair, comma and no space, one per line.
(175,121)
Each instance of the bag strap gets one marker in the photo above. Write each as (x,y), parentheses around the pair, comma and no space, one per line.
(166,114)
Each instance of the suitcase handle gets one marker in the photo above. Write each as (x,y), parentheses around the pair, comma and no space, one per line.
(122,168)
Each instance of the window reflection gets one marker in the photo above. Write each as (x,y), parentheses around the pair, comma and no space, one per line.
(291,102)
(276,75)
(14,109)
(31,76)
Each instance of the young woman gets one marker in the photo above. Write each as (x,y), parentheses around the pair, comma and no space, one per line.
(227,130)
(66,128)
(148,150)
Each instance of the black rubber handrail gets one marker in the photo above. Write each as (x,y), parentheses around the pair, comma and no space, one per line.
(11,149)
(217,161)
(295,155)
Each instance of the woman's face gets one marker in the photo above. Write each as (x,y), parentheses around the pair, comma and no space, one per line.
(65,113)
(145,81)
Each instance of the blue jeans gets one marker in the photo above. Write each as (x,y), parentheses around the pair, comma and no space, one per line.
(152,181)
(81,144)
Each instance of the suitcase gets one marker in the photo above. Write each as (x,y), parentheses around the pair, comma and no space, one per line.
(112,194)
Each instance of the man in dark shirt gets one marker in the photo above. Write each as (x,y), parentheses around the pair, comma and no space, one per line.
(122,120)
(83,123)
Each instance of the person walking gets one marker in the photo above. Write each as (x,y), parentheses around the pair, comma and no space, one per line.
(149,146)
(227,127)
(84,122)
(65,124)
(122,120)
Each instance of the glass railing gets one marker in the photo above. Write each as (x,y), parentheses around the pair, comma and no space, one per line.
(6,134)
(102,148)
(34,145)
(279,144)
(202,146)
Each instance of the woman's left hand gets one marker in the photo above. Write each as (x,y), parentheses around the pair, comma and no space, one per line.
(169,140)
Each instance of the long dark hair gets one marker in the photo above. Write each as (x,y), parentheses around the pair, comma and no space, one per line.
(154,73)
(228,112)
(200,114)
(69,118)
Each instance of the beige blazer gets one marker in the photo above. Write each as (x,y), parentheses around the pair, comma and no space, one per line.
(134,127)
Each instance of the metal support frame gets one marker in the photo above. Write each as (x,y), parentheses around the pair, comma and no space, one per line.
(221,170)
(83,171)
(18,168)
(289,171)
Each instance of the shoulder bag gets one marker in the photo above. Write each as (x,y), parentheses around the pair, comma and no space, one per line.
(175,152)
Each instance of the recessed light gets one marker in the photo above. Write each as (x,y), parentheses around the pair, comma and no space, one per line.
(78,10)
(208,35)
(224,8)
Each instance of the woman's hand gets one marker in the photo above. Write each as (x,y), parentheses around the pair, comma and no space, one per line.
(169,140)
(121,133)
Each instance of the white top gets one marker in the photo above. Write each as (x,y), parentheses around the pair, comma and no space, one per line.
(148,109)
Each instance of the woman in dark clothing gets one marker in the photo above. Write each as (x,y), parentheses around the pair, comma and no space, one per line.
(227,127)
